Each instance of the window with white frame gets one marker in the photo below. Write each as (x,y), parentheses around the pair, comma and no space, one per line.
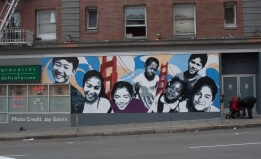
(135,22)
(184,19)
(230,14)
(92,18)
(46,24)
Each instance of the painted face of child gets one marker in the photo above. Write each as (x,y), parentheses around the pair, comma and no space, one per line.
(195,65)
(62,70)
(150,70)
(202,98)
(174,91)
(122,98)
(92,89)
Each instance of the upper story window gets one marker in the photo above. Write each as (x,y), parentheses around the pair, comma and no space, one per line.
(135,22)
(184,19)
(230,14)
(92,19)
(15,20)
(46,24)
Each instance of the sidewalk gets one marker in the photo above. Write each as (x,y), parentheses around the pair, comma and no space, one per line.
(130,129)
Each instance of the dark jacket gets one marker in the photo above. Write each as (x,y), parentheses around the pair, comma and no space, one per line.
(248,102)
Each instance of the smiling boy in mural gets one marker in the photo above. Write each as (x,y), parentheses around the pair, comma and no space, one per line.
(145,84)
(64,68)
(171,101)
(204,93)
(195,63)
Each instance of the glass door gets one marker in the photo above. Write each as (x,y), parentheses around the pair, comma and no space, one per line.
(238,85)
(230,89)
(246,86)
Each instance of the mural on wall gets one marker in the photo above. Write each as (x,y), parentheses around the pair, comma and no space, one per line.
(138,84)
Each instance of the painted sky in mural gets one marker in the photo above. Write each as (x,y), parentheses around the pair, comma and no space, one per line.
(138,84)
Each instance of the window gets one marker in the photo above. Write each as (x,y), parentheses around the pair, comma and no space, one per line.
(3,104)
(46,24)
(184,19)
(92,19)
(15,20)
(230,15)
(135,22)
(34,98)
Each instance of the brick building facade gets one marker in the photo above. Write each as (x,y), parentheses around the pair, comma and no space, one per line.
(229,29)
(71,17)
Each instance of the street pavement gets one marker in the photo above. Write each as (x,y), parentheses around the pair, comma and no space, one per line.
(131,129)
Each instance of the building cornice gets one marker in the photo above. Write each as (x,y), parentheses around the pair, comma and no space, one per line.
(133,43)
(206,41)
(138,47)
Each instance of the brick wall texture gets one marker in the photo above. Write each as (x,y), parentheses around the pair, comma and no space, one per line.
(209,18)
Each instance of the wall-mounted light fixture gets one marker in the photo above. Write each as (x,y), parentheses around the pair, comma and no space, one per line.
(158,36)
(238,61)
(241,60)
(257,33)
(68,38)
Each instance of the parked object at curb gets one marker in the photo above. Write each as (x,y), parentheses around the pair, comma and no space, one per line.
(238,106)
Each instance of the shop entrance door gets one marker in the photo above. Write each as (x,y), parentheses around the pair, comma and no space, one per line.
(238,85)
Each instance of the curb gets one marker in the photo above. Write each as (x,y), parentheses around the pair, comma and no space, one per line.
(253,125)
(201,128)
(231,126)
(11,138)
(131,132)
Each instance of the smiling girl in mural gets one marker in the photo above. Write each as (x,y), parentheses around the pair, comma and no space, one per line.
(204,93)
(96,100)
(171,101)
(122,101)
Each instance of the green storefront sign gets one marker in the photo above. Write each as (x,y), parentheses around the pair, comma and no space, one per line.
(20,74)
